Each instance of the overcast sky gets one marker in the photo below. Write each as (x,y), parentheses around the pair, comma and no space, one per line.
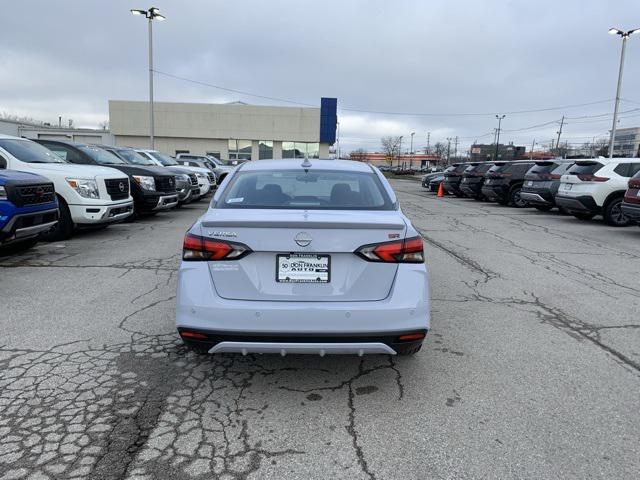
(431,57)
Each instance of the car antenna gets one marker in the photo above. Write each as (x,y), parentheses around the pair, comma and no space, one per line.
(306,163)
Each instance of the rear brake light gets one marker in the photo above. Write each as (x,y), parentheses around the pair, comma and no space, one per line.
(409,250)
(197,248)
(502,175)
(188,334)
(555,176)
(411,336)
(634,183)
(588,177)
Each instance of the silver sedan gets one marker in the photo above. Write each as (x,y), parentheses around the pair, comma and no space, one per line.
(312,257)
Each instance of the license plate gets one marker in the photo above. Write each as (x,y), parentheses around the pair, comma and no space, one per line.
(303,268)
(530,183)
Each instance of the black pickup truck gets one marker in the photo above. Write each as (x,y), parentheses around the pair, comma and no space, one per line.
(152,187)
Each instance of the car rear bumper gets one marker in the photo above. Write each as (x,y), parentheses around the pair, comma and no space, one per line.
(199,308)
(452,187)
(631,211)
(98,214)
(583,204)
(540,197)
(495,192)
(28,225)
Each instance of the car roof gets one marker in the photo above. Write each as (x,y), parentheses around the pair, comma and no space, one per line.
(315,164)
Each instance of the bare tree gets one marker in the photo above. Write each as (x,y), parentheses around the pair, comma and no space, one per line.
(359,154)
(104,125)
(440,149)
(390,147)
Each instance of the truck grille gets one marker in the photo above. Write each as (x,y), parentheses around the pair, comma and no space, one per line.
(117,188)
(165,184)
(25,195)
(194,178)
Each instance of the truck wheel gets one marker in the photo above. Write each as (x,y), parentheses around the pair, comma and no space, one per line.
(64,228)
(613,214)
(583,216)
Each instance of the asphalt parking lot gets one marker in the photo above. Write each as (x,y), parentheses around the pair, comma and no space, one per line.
(531,370)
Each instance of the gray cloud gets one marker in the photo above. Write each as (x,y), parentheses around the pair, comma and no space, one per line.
(68,58)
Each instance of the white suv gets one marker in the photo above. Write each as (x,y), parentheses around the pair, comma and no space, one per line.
(596,187)
(88,195)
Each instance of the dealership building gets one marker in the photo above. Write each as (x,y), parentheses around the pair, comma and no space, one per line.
(227,131)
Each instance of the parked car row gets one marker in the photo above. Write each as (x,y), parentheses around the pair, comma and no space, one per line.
(50,188)
(582,188)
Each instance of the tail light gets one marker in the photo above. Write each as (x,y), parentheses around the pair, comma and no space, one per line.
(197,248)
(589,177)
(409,250)
(555,176)
(634,183)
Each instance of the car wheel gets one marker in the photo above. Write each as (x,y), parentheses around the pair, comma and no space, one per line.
(543,208)
(411,350)
(583,216)
(64,228)
(564,211)
(516,200)
(613,214)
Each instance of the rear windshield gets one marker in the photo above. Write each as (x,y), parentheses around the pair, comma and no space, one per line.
(582,168)
(449,169)
(294,189)
(102,156)
(30,152)
(562,168)
(543,167)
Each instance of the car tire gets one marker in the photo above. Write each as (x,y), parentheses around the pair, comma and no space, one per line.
(583,216)
(613,214)
(543,208)
(63,230)
(411,350)
(515,200)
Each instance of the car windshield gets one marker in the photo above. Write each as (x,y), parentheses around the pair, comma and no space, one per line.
(584,168)
(295,189)
(29,152)
(165,160)
(101,156)
(133,157)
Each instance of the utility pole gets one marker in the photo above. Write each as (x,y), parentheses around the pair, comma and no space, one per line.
(428,143)
(411,152)
(499,117)
(399,150)
(455,151)
(449,150)
(533,145)
(559,133)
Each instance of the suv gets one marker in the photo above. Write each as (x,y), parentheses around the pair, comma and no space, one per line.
(597,187)
(631,201)
(206,161)
(206,178)
(28,207)
(87,195)
(541,183)
(503,182)
(453,177)
(473,178)
(143,179)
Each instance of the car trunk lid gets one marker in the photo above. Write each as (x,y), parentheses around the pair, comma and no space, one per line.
(277,238)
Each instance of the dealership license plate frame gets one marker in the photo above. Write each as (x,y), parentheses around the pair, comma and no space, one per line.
(325,277)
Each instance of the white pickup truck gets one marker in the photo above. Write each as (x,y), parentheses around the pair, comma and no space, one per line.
(88,195)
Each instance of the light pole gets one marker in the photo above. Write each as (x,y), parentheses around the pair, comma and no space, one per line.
(152,14)
(400,149)
(499,117)
(625,36)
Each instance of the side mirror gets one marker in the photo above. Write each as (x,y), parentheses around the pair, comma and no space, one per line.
(3,162)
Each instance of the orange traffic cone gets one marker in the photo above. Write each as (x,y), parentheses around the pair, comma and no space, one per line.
(440,191)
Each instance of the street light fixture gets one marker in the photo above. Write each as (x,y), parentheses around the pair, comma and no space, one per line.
(499,117)
(625,36)
(152,14)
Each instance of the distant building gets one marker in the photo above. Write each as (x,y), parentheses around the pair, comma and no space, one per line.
(627,143)
(481,153)
(35,131)
(380,159)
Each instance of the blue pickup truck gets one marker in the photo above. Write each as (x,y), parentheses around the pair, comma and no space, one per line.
(28,207)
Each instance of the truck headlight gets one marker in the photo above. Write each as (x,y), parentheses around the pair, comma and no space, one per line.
(86,187)
(147,183)
(3,193)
